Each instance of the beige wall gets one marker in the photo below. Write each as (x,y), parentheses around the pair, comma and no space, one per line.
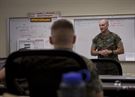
(20,8)
(128,68)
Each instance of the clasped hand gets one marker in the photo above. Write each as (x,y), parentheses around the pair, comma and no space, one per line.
(105,52)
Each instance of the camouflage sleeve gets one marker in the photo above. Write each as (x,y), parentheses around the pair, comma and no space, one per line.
(95,81)
(93,43)
(120,44)
(94,84)
(93,46)
(117,39)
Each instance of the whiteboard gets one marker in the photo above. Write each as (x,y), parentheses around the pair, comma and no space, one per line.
(33,35)
(87,29)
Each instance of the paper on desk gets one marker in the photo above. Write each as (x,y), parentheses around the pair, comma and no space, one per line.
(130,56)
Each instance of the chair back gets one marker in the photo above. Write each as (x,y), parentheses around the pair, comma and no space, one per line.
(42,69)
(107,66)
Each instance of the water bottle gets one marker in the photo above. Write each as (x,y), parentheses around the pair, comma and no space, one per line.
(72,85)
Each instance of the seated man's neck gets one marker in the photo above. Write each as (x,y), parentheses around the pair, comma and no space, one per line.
(63,48)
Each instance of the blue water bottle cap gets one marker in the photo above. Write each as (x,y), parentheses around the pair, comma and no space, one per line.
(72,78)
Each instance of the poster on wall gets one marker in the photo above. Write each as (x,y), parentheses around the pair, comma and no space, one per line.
(31,43)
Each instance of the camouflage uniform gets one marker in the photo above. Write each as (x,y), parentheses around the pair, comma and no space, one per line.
(109,42)
(95,85)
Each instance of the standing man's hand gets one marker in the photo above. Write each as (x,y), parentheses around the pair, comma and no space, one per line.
(105,52)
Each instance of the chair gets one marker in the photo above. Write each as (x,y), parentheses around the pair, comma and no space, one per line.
(118,86)
(42,69)
(107,66)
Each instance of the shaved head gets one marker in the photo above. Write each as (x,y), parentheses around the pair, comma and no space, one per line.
(103,24)
(104,21)
(62,34)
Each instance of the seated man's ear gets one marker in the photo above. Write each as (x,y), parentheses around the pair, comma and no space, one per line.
(51,40)
(74,39)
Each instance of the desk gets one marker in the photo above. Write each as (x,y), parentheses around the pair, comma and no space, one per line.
(118,82)
(114,77)
(114,86)
(118,86)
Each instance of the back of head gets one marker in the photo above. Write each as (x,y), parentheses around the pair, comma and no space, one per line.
(62,24)
(62,34)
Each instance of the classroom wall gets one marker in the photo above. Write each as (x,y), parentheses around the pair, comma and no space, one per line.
(128,68)
(20,8)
